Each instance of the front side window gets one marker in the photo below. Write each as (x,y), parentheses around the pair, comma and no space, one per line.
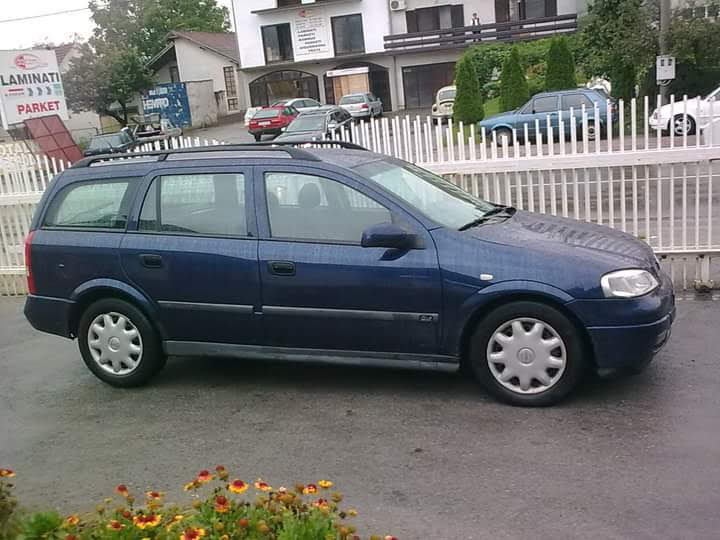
(203,204)
(545,104)
(431,195)
(348,34)
(307,207)
(91,205)
(277,42)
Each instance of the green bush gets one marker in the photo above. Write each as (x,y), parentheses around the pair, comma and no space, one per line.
(560,73)
(219,511)
(469,99)
(514,90)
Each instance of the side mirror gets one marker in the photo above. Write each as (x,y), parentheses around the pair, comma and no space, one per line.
(283,129)
(389,235)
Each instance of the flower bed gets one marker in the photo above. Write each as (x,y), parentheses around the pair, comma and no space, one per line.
(222,509)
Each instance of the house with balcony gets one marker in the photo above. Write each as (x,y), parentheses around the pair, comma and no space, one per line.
(403,51)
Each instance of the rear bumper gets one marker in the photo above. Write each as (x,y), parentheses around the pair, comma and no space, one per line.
(361,114)
(266,131)
(634,347)
(50,315)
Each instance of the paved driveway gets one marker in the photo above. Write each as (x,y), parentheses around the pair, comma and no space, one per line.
(422,455)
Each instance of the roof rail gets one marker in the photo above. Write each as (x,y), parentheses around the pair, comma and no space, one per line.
(289,147)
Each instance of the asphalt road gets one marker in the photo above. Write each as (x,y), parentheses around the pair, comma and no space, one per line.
(421,455)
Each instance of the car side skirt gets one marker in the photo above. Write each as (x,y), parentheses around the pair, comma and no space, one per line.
(323,356)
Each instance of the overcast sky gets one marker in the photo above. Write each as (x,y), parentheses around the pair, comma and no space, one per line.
(55,28)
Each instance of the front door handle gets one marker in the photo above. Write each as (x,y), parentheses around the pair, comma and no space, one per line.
(282,268)
(151,261)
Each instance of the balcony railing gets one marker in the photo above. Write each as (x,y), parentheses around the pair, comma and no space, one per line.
(448,38)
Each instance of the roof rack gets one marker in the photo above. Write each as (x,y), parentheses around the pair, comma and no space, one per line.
(289,147)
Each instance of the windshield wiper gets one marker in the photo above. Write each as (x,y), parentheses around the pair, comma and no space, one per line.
(500,211)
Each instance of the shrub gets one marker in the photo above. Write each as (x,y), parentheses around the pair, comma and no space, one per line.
(514,90)
(469,100)
(560,73)
(219,511)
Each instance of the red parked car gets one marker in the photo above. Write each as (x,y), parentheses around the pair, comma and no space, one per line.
(271,120)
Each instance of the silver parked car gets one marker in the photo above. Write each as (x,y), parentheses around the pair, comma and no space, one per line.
(444,103)
(364,105)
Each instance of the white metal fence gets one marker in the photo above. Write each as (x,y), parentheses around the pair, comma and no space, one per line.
(656,187)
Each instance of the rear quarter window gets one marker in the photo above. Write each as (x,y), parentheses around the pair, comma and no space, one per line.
(99,204)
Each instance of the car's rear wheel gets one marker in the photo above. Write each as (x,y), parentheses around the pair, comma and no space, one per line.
(118,343)
(527,353)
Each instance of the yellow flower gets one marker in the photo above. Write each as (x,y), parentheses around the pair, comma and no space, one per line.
(262,486)
(122,490)
(238,486)
(224,537)
(147,521)
(325,484)
(154,495)
(192,533)
(191,485)
(203,477)
(222,504)
(175,519)
(7,473)
(71,521)
(352,512)
(310,489)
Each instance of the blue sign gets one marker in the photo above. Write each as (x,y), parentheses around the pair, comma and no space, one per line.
(169,101)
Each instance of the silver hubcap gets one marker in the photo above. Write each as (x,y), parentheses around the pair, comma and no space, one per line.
(591,133)
(115,343)
(682,125)
(526,356)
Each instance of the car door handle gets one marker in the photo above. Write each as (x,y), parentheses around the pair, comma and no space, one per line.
(151,261)
(282,268)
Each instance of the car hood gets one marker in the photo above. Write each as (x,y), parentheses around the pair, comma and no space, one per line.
(679,106)
(495,117)
(578,240)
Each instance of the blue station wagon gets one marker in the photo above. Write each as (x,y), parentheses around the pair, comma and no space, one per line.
(333,255)
(551,110)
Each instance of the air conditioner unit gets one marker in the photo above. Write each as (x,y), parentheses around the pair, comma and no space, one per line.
(397,5)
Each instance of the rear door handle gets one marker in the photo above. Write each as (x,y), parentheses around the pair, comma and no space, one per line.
(151,261)
(282,268)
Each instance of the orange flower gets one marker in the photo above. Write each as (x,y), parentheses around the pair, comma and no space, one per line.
(204,477)
(219,469)
(71,521)
(7,473)
(238,486)
(243,523)
(154,495)
(262,486)
(175,519)
(325,484)
(320,503)
(389,537)
(122,490)
(71,537)
(115,525)
(192,533)
(126,514)
(222,505)
(310,489)
(147,521)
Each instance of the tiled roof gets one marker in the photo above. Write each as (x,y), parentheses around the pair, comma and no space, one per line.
(222,43)
(62,50)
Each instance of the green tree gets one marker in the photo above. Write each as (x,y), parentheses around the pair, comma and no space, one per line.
(514,90)
(560,74)
(469,100)
(695,43)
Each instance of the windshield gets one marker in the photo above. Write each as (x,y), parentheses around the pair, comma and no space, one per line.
(281,102)
(714,94)
(432,195)
(107,141)
(350,100)
(446,94)
(266,113)
(315,122)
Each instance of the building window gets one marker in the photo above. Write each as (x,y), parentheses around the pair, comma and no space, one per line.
(174,74)
(435,18)
(277,42)
(231,88)
(509,10)
(283,84)
(288,3)
(348,34)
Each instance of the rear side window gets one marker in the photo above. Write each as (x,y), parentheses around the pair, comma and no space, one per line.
(101,204)
(576,101)
(203,204)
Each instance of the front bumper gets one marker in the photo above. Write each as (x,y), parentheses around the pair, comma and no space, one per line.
(50,315)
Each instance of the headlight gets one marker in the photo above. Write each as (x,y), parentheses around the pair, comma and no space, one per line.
(628,283)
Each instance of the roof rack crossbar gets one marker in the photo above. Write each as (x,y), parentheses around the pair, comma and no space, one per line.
(289,147)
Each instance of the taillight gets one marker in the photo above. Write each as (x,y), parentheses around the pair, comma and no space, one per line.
(28,263)
(364,106)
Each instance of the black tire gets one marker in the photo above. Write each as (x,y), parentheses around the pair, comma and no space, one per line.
(677,125)
(257,136)
(151,360)
(504,132)
(576,359)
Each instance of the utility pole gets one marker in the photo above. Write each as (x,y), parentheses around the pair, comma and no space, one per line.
(664,33)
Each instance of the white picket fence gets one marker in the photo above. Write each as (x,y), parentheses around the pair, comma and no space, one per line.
(660,189)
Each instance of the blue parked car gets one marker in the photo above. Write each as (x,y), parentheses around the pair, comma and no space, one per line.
(333,255)
(550,107)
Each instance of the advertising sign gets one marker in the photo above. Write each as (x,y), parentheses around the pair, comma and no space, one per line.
(169,101)
(30,86)
(312,35)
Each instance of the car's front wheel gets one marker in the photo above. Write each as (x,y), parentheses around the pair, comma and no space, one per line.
(527,353)
(683,124)
(118,343)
